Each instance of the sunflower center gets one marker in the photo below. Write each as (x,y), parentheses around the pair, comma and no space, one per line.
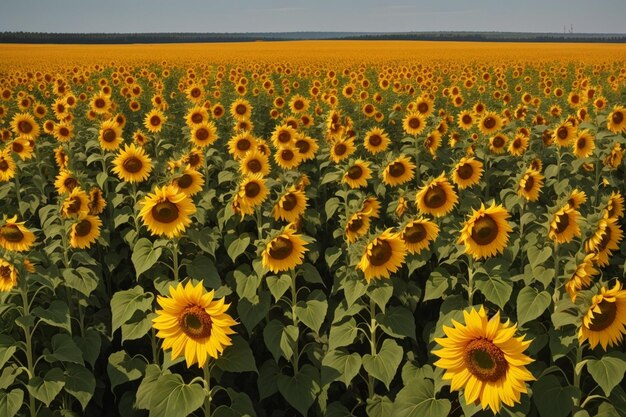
(303,146)
(241,109)
(340,149)
(602,320)
(197,118)
(435,197)
(254,165)
(243,144)
(252,189)
(618,117)
(4,165)
(415,233)
(530,181)
(64,131)
(74,206)
(195,322)
(281,248)
(109,135)
(298,105)
(70,183)
(375,140)
(397,169)
(467,119)
(133,164)
(193,159)
(355,225)
(606,238)
(422,107)
(202,134)
(195,93)
(165,212)
(5,272)
(381,253)
(414,123)
(465,171)
(517,143)
(12,233)
(24,126)
(485,360)
(185,181)
(562,133)
(155,120)
(581,143)
(498,142)
(485,230)
(562,221)
(355,172)
(284,136)
(17,147)
(289,201)
(99,103)
(489,122)
(83,228)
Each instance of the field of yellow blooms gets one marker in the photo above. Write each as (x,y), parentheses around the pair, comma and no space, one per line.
(407,229)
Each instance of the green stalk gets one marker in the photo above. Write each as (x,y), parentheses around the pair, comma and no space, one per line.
(577,372)
(294,317)
(18,187)
(207,379)
(28,336)
(175,266)
(418,176)
(470,280)
(555,295)
(521,235)
(373,327)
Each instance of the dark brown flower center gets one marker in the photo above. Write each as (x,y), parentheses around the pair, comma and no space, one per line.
(284,136)
(485,230)
(435,197)
(466,119)
(289,201)
(197,118)
(4,165)
(5,272)
(606,317)
(83,228)
(606,238)
(109,135)
(193,159)
(195,322)
(70,183)
(99,103)
(415,233)
(195,92)
(303,146)
(397,169)
(254,165)
(355,172)
(132,164)
(498,142)
(243,144)
(64,131)
(422,107)
(12,233)
(618,117)
(517,143)
(414,123)
(281,248)
(562,221)
(165,212)
(241,109)
(155,120)
(489,122)
(298,105)
(355,224)
(530,182)
(381,253)
(287,154)
(465,171)
(24,126)
(485,360)
(375,140)
(340,149)
(562,133)
(252,189)
(74,206)
(17,147)
(202,134)
(185,181)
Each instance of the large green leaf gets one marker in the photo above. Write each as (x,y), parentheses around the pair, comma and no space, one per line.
(608,371)
(552,399)
(238,357)
(342,334)
(47,388)
(494,288)
(171,397)
(145,255)
(6,353)
(146,388)
(65,350)
(437,283)
(203,268)
(397,321)
(278,285)
(80,383)
(279,339)
(266,382)
(531,304)
(384,365)
(124,304)
(240,406)
(81,279)
(251,312)
(138,326)
(339,365)
(379,406)
(235,246)
(380,293)
(122,368)
(313,312)
(300,390)
(10,403)
(57,314)
(417,399)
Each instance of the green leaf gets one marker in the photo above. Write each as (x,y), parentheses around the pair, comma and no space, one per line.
(437,283)
(278,285)
(339,365)
(89,344)
(251,312)
(65,350)
(531,304)
(47,388)
(300,390)
(331,255)
(80,383)
(10,403)
(247,282)
(384,365)
(238,357)
(342,334)
(311,274)
(380,292)
(57,314)
(266,382)
(538,257)
(203,268)
(240,406)
(138,326)
(279,339)
(331,207)
(417,399)
(608,371)
(81,279)
(353,289)
(552,399)
(145,255)
(398,322)
(6,353)
(494,289)
(8,376)
(122,368)
(146,388)
(313,312)
(379,406)
(124,304)
(173,398)
(237,246)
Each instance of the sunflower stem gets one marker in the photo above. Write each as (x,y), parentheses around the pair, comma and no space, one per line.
(294,317)
(555,295)
(135,216)
(558,164)
(418,176)
(18,187)
(155,350)
(470,280)
(175,266)
(373,327)
(259,222)
(207,379)
(521,235)
(577,371)
(28,336)
(597,183)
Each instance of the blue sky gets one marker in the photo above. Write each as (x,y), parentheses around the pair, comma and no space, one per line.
(603,16)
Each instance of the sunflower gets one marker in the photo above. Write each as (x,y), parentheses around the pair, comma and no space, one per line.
(605,240)
(371,207)
(424,105)
(283,135)
(14,236)
(63,131)
(564,225)
(581,278)
(519,145)
(299,104)
(101,103)
(196,116)
(85,231)
(604,322)
(25,126)
(357,226)
(284,252)
(8,276)
(252,192)
(584,144)
(7,165)
(398,171)
(356,175)
(436,198)
(193,158)
(497,143)
(193,324)
(486,232)
(616,121)
(290,206)
(576,199)
(110,135)
(240,144)
(530,185)
(288,157)
(615,206)
(564,134)
(483,357)
(203,134)
(154,121)
(166,211)
(465,120)
(376,140)
(307,146)
(241,109)
(190,182)
(467,172)
(414,123)
(22,148)
(132,164)
(76,203)
(402,206)
(60,157)
(418,233)
(254,162)
(341,149)
(97,203)
(383,255)
(65,182)
(489,123)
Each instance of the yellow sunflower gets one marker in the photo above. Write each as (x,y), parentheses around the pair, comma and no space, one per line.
(605,240)
(497,143)
(418,233)
(288,157)
(283,135)
(398,171)
(371,207)
(101,103)
(284,252)
(341,148)
(240,144)
(7,165)
(519,145)
(85,231)
(193,324)
(14,236)
(97,203)
(357,226)
(530,185)
(616,121)
(357,174)
(110,135)
(190,182)
(564,134)
(241,109)
(291,205)
(166,211)
(436,198)
(604,322)
(615,206)
(383,256)
(25,126)
(581,278)
(485,359)
(376,140)
(414,123)
(299,104)
(576,199)
(8,276)
(204,134)
(489,123)
(154,121)
(254,162)
(486,232)
(132,164)
(65,182)
(424,105)
(76,203)
(467,172)
(63,131)
(584,144)
(196,116)
(22,148)
(465,120)
(564,225)
(307,146)
(252,192)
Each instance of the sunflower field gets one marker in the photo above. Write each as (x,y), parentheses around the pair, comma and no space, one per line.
(330,228)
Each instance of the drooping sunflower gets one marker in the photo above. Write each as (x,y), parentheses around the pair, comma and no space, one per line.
(489,123)
(154,120)
(357,226)
(376,140)
(432,143)
(486,232)
(342,148)
(581,278)
(190,181)
(290,206)
(418,233)
(110,135)
(132,164)
(616,120)
(414,123)
(204,134)
(252,192)
(166,211)
(485,359)
(584,144)
(497,143)
(436,198)
(8,276)
(7,165)
(14,236)
(76,203)
(288,157)
(85,231)
(371,207)
(564,225)
(615,206)
(576,199)
(97,203)
(519,145)
(193,324)
(383,256)
(241,109)
(240,144)
(564,134)
(467,172)
(398,171)
(357,174)
(65,182)
(530,185)
(25,126)
(284,252)
(604,322)
(194,158)
(605,240)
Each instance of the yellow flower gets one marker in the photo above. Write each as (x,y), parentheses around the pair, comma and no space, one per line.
(383,256)
(398,171)
(290,206)
(132,164)
(530,185)
(284,252)
(154,121)
(616,121)
(564,225)
(467,172)
(414,123)
(356,176)
(486,232)
(418,234)
(14,236)
(25,126)
(110,135)
(436,198)
(8,276)
(581,278)
(166,211)
(85,231)
(604,322)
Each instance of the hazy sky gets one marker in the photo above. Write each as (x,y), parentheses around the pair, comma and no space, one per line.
(604,16)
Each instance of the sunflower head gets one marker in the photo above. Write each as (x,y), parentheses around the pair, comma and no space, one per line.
(616,121)
(376,140)
(132,164)
(291,205)
(357,226)
(604,322)
(486,232)
(357,174)
(154,120)
(284,251)
(437,197)
(383,256)
(467,172)
(85,231)
(398,171)
(418,233)
(8,276)
(564,225)
(414,123)
(530,185)
(166,211)
(190,182)
(14,236)
(252,192)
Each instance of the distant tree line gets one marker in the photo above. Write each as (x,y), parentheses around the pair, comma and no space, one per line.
(127,38)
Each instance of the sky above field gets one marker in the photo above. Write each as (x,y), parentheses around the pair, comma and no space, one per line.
(585,16)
